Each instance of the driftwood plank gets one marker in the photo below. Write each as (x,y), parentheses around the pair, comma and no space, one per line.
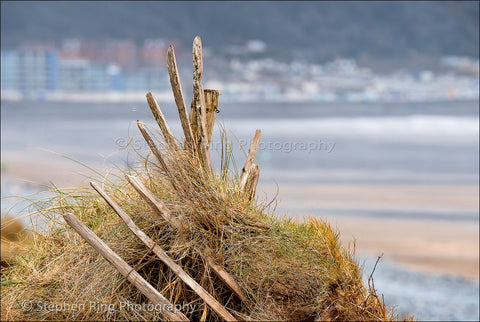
(204,295)
(123,268)
(162,123)
(179,100)
(250,158)
(199,103)
(161,210)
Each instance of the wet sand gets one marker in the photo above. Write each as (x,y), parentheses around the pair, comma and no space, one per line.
(436,244)
(425,245)
(44,168)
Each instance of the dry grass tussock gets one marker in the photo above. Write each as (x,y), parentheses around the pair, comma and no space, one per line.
(288,270)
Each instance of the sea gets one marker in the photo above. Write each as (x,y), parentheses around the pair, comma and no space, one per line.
(305,142)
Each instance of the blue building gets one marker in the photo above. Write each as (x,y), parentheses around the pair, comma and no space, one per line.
(30,73)
(9,71)
(33,74)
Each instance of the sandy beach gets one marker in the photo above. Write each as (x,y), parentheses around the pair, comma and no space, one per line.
(436,244)
(431,240)
(44,168)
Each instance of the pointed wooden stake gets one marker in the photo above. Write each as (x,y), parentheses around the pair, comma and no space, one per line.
(123,268)
(211,104)
(153,201)
(152,145)
(228,280)
(250,158)
(198,103)
(156,153)
(179,100)
(187,279)
(157,113)
(252,180)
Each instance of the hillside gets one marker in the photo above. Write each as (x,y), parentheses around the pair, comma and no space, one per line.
(319,30)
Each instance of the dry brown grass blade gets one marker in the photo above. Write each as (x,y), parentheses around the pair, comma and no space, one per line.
(122,267)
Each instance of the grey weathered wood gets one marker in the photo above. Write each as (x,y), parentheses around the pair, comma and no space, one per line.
(252,180)
(211,104)
(162,210)
(198,103)
(250,157)
(154,202)
(156,153)
(187,279)
(152,145)
(123,268)
(179,100)
(228,280)
(162,123)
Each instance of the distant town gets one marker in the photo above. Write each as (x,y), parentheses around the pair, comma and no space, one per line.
(122,70)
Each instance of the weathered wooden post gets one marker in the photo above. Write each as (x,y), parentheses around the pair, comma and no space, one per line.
(211,105)
(179,100)
(251,171)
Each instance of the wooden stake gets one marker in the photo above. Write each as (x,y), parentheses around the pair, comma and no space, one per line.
(157,113)
(252,181)
(199,103)
(156,153)
(123,268)
(197,288)
(161,210)
(228,280)
(152,146)
(250,158)
(211,104)
(179,100)
(154,202)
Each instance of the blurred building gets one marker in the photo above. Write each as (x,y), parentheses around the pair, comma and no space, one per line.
(121,52)
(34,73)
(31,73)
(77,68)
(154,52)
